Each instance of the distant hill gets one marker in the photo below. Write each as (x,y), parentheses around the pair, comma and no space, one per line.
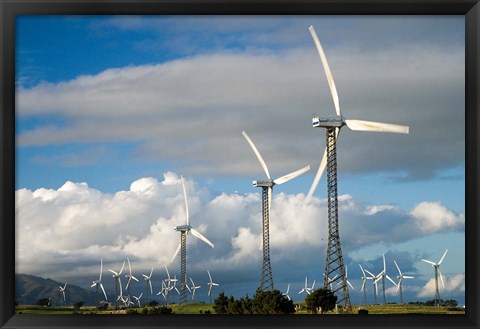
(29,289)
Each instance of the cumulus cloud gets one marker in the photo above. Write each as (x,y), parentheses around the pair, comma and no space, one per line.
(68,229)
(200,104)
(455,284)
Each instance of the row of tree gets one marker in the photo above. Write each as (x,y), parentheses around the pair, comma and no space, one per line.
(446,303)
(273,302)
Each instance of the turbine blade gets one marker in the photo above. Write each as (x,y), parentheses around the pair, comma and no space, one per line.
(348,282)
(363,285)
(151,272)
(292,175)
(384,264)
(398,285)
(113,272)
(259,156)
(120,285)
(370,273)
(362,269)
(361,125)
(176,252)
(389,278)
(408,277)
(198,235)
(134,278)
(101,269)
(121,268)
(441,277)
(398,268)
(104,293)
(428,261)
(321,169)
(129,266)
(209,276)
(441,259)
(166,269)
(186,202)
(326,67)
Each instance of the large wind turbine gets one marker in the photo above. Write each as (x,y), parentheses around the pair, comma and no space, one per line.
(148,279)
(118,283)
(382,275)
(436,266)
(364,282)
(184,229)
(210,285)
(130,277)
(334,261)
(62,291)
(97,283)
(266,277)
(400,281)
(375,285)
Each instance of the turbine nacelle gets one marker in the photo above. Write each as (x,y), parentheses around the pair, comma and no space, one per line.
(182,228)
(263,183)
(337,121)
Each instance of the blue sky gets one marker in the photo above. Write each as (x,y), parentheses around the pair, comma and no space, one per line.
(128,104)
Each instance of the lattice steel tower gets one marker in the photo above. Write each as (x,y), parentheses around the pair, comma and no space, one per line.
(183,272)
(266,277)
(334,264)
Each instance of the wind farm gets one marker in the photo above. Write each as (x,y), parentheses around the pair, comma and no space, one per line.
(362,243)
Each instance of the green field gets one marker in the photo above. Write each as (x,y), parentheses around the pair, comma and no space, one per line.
(199,308)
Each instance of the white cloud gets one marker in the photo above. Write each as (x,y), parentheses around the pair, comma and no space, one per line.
(456,285)
(70,228)
(431,216)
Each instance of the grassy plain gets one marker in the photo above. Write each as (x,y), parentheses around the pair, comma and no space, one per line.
(200,308)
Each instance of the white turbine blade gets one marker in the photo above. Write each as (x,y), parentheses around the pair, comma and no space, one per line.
(93,285)
(104,293)
(301,291)
(145,276)
(176,252)
(65,286)
(120,285)
(135,278)
(361,125)
(384,264)
(313,285)
(128,282)
(129,266)
(441,277)
(321,169)
(306,281)
(373,276)
(151,272)
(389,278)
(291,176)
(428,261)
(441,259)
(377,279)
(166,269)
(408,277)
(363,272)
(209,276)
(363,285)
(185,198)
(326,67)
(113,272)
(259,156)
(121,268)
(398,268)
(348,282)
(215,284)
(191,280)
(399,284)
(198,235)
(101,269)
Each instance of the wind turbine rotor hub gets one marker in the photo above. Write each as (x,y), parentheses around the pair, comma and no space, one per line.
(182,228)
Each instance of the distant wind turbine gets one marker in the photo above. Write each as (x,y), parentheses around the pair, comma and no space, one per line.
(98,283)
(436,266)
(400,281)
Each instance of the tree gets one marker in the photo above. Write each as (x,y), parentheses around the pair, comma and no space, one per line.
(323,298)
(220,304)
(234,306)
(271,302)
(44,302)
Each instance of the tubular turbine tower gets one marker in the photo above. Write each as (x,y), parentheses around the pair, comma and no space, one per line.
(334,262)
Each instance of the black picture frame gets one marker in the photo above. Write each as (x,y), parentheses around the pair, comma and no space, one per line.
(9,9)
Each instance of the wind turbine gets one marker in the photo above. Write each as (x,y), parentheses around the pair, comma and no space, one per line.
(118,282)
(334,261)
(193,288)
(330,281)
(62,291)
(375,286)
(210,285)
(184,229)
(148,279)
(346,278)
(130,277)
(266,277)
(286,292)
(138,299)
(436,266)
(382,275)
(364,281)
(400,281)
(97,283)
(305,289)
